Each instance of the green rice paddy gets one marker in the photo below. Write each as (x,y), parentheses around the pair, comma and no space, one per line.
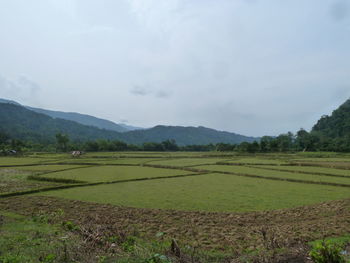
(113,173)
(311,169)
(211,192)
(277,174)
(127,179)
(184,162)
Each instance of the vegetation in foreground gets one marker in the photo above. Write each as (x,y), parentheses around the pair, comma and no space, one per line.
(51,234)
(46,237)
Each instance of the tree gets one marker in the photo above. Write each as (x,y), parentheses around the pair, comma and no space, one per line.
(91,146)
(170,145)
(62,141)
(224,147)
(307,141)
(265,144)
(253,147)
(285,142)
(153,146)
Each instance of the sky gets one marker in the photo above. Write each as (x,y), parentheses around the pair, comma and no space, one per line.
(254,67)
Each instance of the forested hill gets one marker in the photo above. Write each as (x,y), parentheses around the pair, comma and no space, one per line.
(187,135)
(79,118)
(336,125)
(82,119)
(21,123)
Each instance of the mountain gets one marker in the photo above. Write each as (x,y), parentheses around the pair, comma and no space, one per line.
(80,118)
(9,101)
(130,127)
(21,123)
(186,135)
(336,125)
(24,124)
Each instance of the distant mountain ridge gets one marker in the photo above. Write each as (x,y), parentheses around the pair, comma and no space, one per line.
(187,135)
(79,118)
(82,119)
(9,101)
(22,123)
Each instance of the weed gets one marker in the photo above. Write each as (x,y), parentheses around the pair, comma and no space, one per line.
(129,244)
(327,252)
(69,225)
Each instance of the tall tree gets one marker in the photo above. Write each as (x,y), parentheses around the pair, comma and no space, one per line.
(62,141)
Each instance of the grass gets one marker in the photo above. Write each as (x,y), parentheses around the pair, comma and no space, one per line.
(13,180)
(26,240)
(6,161)
(342,240)
(113,173)
(334,159)
(131,160)
(257,160)
(311,169)
(46,168)
(214,192)
(106,160)
(277,174)
(182,162)
(48,238)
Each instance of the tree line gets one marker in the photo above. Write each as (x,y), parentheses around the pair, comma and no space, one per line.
(289,142)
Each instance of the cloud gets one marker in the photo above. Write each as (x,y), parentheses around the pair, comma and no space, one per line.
(339,10)
(139,91)
(184,62)
(28,85)
(162,94)
(142,91)
(22,90)
(93,30)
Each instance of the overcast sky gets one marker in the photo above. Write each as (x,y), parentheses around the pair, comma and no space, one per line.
(254,67)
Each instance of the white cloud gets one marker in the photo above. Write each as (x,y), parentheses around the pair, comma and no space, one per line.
(248,66)
(22,90)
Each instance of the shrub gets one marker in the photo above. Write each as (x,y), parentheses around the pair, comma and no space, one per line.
(327,252)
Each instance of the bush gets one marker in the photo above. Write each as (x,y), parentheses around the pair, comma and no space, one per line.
(327,252)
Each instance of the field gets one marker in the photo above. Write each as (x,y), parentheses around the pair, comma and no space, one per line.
(218,201)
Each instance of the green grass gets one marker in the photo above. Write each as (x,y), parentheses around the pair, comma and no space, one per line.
(24,240)
(106,160)
(181,162)
(22,160)
(33,239)
(338,159)
(312,169)
(278,174)
(342,240)
(114,173)
(131,160)
(213,192)
(13,180)
(46,168)
(257,160)
(81,160)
